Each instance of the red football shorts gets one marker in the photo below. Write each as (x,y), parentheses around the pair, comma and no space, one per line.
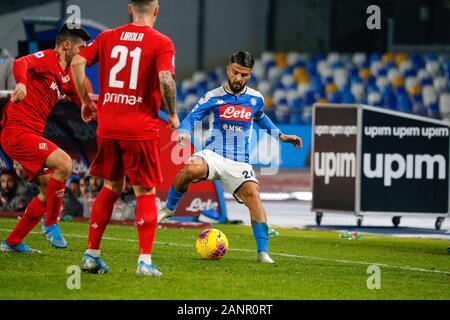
(28,149)
(138,160)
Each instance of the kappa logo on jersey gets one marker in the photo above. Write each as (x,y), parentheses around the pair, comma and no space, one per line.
(43,146)
(220,101)
(237,113)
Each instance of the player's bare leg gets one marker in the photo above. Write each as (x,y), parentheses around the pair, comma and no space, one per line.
(33,214)
(249,194)
(61,164)
(146,223)
(100,217)
(41,182)
(195,169)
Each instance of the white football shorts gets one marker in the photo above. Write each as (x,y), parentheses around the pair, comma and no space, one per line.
(233,174)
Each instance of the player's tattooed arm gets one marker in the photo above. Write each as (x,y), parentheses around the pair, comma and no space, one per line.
(168,91)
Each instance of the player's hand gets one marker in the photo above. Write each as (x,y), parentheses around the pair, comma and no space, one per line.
(89,111)
(296,141)
(19,93)
(173,121)
(182,138)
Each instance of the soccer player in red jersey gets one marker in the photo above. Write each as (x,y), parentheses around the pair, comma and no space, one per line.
(136,70)
(42,79)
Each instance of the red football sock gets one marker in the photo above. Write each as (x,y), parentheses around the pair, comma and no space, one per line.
(33,214)
(55,196)
(146,222)
(101,213)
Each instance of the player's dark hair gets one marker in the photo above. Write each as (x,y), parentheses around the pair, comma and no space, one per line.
(243,58)
(142,5)
(65,33)
(142,1)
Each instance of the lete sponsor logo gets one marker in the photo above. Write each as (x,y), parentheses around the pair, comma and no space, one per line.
(198,205)
(237,113)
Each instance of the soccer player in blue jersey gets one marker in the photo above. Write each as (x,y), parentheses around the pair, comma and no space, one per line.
(235,108)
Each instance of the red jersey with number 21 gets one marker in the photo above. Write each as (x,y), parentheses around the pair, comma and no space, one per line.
(130,58)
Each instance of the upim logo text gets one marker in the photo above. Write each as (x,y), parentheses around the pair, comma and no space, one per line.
(412,166)
(330,164)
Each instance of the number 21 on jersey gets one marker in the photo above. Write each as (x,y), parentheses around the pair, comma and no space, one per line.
(121,52)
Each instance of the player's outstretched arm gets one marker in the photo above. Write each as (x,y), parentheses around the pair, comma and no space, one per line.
(264,122)
(168,92)
(295,140)
(88,108)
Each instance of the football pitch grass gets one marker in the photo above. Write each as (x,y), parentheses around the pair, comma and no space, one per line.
(309,265)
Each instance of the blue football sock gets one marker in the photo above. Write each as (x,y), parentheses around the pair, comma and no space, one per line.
(261,234)
(173,199)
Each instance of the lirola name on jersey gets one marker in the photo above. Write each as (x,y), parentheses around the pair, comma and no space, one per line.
(132,36)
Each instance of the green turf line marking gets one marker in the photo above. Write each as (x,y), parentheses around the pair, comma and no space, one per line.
(406,268)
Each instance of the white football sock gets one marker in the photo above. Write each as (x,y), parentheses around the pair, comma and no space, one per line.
(93,252)
(146,258)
